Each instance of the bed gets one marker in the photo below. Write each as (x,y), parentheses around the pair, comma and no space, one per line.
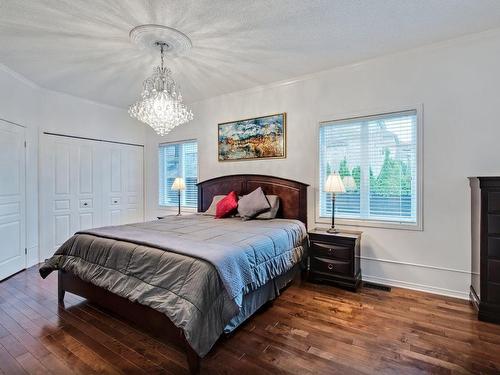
(192,278)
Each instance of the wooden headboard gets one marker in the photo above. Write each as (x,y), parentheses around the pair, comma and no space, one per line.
(293,194)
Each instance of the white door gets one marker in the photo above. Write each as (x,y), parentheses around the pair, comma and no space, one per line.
(12,199)
(83,184)
(69,190)
(122,184)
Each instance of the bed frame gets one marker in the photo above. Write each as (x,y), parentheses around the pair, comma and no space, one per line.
(293,205)
(293,194)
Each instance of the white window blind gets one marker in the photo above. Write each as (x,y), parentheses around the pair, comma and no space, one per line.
(178,160)
(376,157)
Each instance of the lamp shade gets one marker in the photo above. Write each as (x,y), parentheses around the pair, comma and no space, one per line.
(178,184)
(334,184)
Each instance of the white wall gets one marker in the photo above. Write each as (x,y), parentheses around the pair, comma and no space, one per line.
(41,110)
(457,82)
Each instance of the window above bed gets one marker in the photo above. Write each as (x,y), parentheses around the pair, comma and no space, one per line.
(179,159)
(378,160)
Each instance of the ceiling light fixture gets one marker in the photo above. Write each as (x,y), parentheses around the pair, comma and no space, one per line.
(161,105)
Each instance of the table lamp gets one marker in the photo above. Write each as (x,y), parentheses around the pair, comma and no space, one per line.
(334,185)
(179,185)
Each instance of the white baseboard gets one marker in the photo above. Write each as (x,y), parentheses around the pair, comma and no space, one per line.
(418,287)
(424,278)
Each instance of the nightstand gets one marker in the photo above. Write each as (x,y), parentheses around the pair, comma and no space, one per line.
(334,258)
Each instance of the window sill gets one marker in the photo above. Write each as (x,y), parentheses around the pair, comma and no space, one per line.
(371,223)
(175,208)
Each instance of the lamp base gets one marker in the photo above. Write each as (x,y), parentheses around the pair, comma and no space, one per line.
(332,230)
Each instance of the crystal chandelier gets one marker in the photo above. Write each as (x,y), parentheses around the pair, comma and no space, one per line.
(160,105)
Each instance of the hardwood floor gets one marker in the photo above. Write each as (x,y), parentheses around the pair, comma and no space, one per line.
(310,329)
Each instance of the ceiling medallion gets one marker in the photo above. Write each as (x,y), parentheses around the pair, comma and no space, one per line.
(160,105)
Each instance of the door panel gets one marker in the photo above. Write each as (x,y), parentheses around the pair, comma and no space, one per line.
(11,234)
(133,191)
(116,170)
(86,170)
(86,221)
(115,217)
(12,199)
(61,168)
(61,204)
(62,225)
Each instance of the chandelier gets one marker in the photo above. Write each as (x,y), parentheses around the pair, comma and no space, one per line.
(161,105)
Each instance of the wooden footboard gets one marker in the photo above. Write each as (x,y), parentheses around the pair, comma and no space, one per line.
(145,317)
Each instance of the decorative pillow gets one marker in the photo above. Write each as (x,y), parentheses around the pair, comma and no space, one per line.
(226,206)
(274,201)
(211,210)
(252,204)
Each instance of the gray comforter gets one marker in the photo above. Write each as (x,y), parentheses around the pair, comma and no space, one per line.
(194,268)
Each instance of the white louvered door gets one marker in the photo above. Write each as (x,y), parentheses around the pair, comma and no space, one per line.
(85,184)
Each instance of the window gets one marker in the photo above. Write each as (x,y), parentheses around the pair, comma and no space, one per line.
(178,160)
(376,157)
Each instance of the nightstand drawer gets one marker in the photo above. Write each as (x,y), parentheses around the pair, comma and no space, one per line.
(334,251)
(330,266)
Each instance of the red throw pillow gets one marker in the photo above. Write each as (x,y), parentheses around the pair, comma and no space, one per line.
(226,205)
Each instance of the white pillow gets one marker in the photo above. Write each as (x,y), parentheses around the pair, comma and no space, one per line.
(274,201)
(213,206)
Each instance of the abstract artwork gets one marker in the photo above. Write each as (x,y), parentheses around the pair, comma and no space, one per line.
(256,138)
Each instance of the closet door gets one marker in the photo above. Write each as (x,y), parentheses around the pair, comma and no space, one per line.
(69,190)
(86,184)
(12,199)
(122,184)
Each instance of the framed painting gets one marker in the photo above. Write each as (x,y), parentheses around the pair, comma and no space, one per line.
(257,138)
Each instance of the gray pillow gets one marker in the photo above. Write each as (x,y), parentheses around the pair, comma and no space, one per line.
(274,201)
(252,204)
(213,206)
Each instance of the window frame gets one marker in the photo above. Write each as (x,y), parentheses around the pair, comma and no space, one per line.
(374,223)
(174,206)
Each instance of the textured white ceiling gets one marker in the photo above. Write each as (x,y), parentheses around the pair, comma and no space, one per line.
(81,47)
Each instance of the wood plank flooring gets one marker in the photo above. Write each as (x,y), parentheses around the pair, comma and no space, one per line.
(310,329)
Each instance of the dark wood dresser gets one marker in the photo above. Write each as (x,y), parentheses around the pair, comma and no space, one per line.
(334,258)
(485,234)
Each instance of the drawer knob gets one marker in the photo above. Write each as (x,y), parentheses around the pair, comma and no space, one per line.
(330,250)
(85,204)
(330,266)
(115,201)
